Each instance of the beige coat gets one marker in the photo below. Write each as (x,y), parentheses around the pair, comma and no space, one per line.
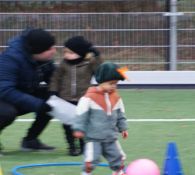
(72,81)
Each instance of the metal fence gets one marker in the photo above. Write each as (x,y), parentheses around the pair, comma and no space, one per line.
(141,40)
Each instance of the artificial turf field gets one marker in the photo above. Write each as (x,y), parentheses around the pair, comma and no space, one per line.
(147,139)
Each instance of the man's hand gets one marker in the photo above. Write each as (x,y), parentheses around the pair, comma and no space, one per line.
(45,108)
(124,134)
(78,134)
(53,93)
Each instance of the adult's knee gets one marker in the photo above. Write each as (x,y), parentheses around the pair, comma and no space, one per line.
(8,114)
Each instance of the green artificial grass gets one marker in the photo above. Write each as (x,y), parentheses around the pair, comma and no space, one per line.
(159,103)
(146,139)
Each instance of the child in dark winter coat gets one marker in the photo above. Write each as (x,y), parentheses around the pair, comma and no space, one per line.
(100,117)
(72,78)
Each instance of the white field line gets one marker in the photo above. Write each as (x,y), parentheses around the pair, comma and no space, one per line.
(129,120)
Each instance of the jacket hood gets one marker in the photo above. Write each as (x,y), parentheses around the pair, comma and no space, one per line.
(17,50)
(94,90)
(16,44)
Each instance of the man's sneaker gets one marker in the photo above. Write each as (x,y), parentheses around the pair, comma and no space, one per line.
(35,145)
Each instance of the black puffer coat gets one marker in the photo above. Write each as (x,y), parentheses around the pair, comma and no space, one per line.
(23,81)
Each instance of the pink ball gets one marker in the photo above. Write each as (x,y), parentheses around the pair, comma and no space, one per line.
(142,167)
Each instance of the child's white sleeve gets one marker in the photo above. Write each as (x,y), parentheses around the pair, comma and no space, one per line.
(83,106)
(122,107)
(82,114)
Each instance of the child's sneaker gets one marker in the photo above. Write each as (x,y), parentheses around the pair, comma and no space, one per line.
(121,172)
(85,173)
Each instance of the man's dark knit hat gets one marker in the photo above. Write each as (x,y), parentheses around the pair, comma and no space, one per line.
(38,41)
(78,45)
(106,72)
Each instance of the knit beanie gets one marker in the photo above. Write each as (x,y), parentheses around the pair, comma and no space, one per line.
(108,71)
(38,41)
(78,45)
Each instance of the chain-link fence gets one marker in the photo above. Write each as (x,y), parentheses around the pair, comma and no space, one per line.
(141,40)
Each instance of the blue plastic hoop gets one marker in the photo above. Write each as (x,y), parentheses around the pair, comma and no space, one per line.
(16,168)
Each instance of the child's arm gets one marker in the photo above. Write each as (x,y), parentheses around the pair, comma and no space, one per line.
(80,124)
(94,57)
(121,123)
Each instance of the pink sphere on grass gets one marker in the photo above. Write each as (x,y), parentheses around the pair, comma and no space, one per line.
(142,167)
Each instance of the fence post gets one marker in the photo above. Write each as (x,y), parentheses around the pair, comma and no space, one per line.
(173,35)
